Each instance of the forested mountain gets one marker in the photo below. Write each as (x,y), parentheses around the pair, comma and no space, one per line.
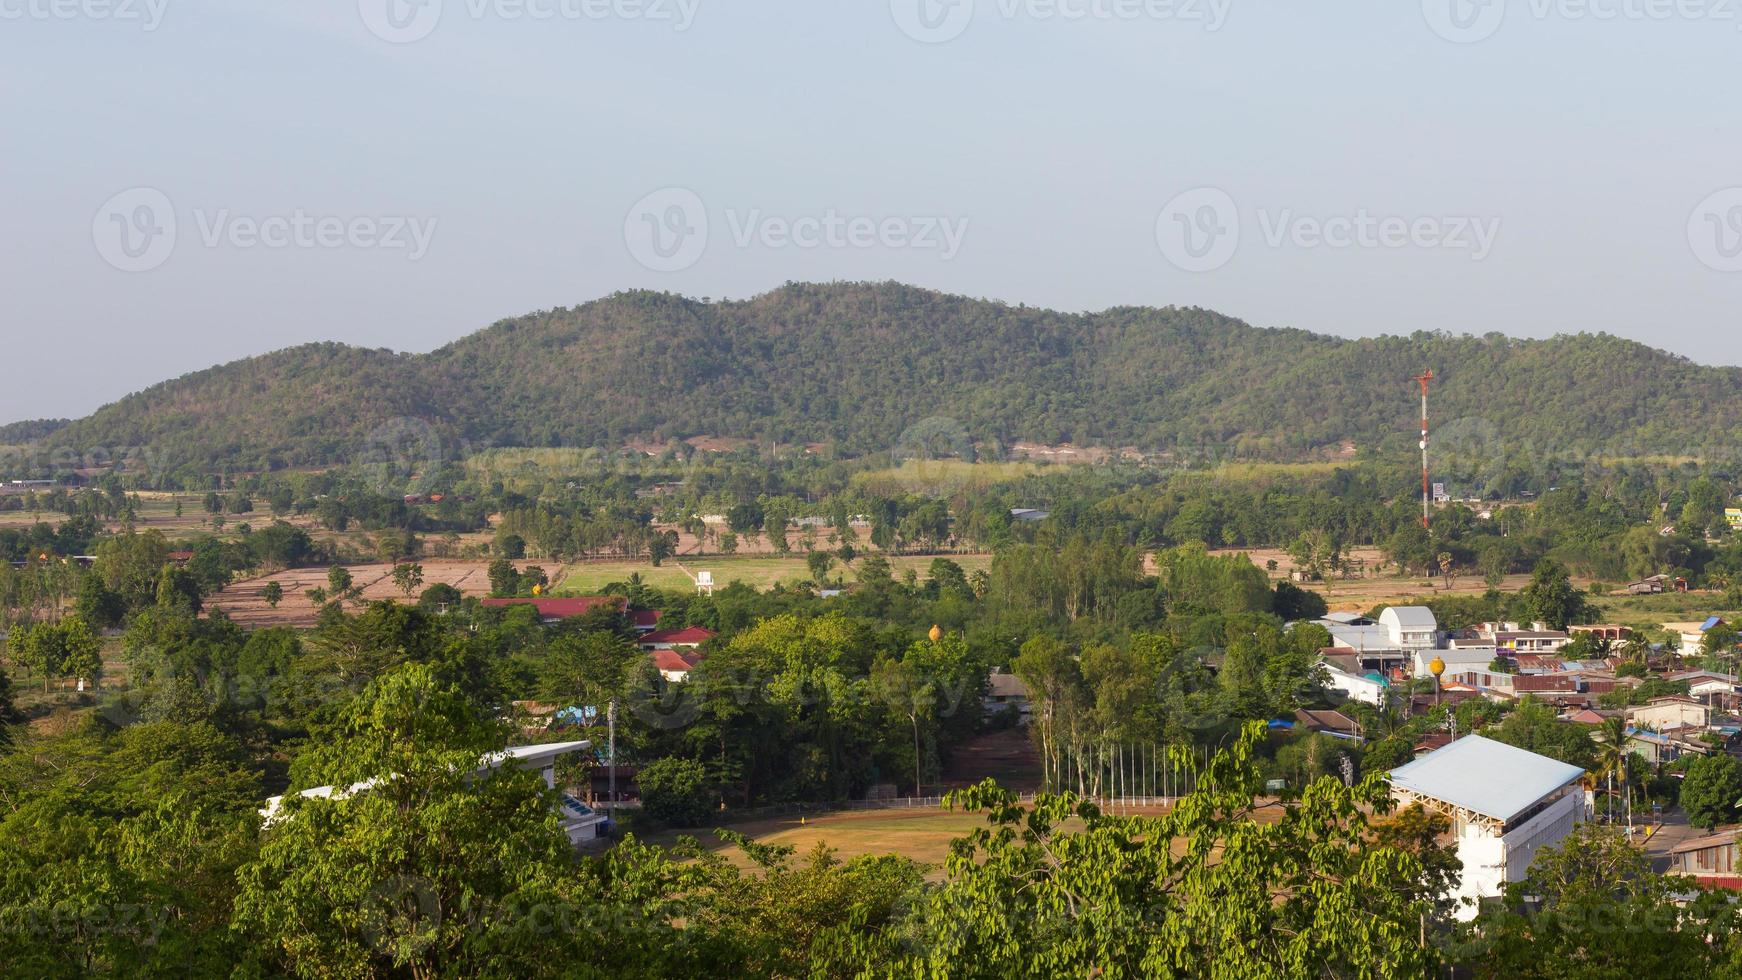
(857,364)
(30,431)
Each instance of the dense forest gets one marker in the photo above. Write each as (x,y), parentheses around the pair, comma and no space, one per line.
(856,366)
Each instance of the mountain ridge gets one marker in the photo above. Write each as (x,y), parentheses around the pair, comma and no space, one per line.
(856,364)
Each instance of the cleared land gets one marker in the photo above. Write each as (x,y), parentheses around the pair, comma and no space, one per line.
(758,572)
(241,601)
(1378,587)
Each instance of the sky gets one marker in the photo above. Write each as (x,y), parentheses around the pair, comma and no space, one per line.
(185,182)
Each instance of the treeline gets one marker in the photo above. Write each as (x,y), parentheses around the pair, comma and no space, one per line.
(659,368)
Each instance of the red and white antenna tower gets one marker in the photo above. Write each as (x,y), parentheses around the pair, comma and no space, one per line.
(1426,488)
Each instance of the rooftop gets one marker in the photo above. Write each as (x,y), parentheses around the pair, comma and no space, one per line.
(1487,777)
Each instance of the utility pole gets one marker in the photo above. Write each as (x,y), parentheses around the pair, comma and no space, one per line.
(1423,380)
(611,747)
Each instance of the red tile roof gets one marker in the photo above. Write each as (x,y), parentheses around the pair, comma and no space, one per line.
(688,636)
(671,660)
(644,618)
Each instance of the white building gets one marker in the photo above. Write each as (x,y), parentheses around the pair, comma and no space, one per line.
(1365,688)
(1457,660)
(1505,805)
(580,822)
(1411,627)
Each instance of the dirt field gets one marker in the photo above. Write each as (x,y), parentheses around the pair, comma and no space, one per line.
(923,834)
(1378,587)
(758,572)
(242,602)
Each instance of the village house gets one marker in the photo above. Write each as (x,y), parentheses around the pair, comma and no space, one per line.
(688,638)
(1692,636)
(1005,690)
(1670,711)
(1711,860)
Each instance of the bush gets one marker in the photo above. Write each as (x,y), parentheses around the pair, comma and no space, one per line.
(676,792)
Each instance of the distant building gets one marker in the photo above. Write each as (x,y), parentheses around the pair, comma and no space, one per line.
(1693,635)
(1028,514)
(1711,860)
(1671,711)
(1344,674)
(1411,627)
(1005,690)
(1505,803)
(579,821)
(688,638)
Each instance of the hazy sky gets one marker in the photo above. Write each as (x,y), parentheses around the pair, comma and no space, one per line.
(187,182)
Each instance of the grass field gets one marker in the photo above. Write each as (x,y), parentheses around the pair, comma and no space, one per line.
(921,834)
(758,572)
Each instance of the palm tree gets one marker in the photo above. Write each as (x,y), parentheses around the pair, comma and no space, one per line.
(1612,753)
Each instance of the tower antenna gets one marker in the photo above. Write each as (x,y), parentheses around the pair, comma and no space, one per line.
(1424,380)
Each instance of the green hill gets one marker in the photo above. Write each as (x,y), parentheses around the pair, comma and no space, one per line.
(857,364)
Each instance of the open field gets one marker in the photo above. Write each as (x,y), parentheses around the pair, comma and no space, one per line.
(758,572)
(1652,611)
(923,834)
(1378,587)
(241,600)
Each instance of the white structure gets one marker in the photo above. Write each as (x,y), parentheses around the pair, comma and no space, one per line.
(1411,627)
(1355,687)
(1457,660)
(1505,804)
(579,820)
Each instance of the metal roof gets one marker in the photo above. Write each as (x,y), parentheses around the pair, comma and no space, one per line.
(1410,618)
(1487,777)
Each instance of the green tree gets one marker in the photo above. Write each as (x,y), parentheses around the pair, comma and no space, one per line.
(273,593)
(429,871)
(676,792)
(1063,889)
(1551,598)
(408,578)
(1711,790)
